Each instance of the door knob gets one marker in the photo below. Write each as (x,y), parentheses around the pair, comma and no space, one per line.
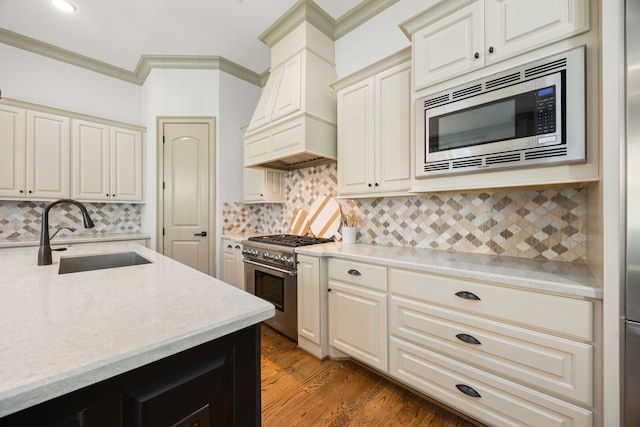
(202,233)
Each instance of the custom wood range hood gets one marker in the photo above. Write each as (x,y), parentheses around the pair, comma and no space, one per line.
(294,124)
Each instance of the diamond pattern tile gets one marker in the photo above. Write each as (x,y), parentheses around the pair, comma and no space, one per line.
(543,224)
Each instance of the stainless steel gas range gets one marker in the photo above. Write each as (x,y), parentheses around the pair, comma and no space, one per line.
(270,270)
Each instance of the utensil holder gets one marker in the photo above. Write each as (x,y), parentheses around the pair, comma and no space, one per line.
(348,235)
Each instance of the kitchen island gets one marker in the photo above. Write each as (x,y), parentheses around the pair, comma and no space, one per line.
(121,346)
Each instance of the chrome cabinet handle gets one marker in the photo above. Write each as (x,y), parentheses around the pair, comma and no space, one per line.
(469,391)
(467,295)
(468,339)
(354,272)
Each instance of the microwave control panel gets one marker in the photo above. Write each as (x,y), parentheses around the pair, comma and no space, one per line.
(546,110)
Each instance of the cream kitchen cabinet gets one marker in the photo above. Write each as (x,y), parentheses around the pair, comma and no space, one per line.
(107,162)
(312,305)
(503,356)
(35,160)
(358,311)
(458,36)
(232,264)
(374,137)
(262,186)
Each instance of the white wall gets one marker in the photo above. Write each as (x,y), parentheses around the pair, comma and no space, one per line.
(33,78)
(377,38)
(172,93)
(238,99)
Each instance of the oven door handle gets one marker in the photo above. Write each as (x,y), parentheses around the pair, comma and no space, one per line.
(281,270)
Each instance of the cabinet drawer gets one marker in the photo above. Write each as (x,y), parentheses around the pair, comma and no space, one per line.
(561,315)
(552,363)
(498,401)
(358,273)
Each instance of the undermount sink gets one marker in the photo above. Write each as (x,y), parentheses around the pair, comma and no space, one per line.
(100,262)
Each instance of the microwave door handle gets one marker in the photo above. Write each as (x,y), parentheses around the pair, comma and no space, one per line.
(281,270)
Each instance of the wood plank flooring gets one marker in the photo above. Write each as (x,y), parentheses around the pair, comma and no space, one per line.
(300,390)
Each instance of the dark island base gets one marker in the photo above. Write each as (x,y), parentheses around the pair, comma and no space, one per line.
(216,383)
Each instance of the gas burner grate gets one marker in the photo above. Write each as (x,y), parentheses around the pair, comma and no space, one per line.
(290,240)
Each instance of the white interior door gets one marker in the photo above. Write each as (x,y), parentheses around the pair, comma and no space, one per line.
(186,193)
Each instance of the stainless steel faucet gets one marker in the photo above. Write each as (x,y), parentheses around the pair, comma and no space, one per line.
(44,252)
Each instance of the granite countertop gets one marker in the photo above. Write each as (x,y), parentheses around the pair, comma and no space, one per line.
(60,333)
(63,239)
(569,279)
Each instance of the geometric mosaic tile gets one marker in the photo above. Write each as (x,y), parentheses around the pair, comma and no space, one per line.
(545,224)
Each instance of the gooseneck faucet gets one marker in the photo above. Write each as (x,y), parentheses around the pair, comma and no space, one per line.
(44,252)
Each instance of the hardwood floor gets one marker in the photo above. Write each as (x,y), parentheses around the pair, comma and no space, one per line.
(300,390)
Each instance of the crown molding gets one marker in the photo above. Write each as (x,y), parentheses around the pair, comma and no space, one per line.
(183,62)
(303,10)
(359,15)
(45,49)
(144,67)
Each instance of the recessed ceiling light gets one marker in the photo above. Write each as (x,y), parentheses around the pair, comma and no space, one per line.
(64,5)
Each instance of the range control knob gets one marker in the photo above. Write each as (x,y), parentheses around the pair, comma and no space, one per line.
(289,260)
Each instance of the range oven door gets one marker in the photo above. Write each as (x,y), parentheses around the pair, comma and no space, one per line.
(279,287)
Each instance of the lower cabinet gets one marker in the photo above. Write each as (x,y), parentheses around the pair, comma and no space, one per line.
(312,305)
(358,311)
(216,383)
(486,397)
(232,264)
(503,356)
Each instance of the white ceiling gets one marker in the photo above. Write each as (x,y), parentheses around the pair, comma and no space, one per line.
(118,32)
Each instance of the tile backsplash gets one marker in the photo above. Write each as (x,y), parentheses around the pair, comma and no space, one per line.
(544,224)
(23,219)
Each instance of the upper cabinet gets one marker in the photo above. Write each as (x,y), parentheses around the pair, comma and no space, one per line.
(374,136)
(51,154)
(458,36)
(35,161)
(107,162)
(263,186)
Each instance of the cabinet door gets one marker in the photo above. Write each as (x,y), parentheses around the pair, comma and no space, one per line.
(517,26)
(229,268)
(253,185)
(275,187)
(239,273)
(263,186)
(392,135)
(358,323)
(126,165)
(309,298)
(13,143)
(48,156)
(448,47)
(90,160)
(355,138)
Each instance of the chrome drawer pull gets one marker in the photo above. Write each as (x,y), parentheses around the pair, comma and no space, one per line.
(468,339)
(468,295)
(354,272)
(467,390)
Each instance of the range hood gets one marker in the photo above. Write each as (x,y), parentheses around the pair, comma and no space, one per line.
(294,123)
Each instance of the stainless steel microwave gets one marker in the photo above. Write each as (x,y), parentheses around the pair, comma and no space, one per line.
(533,115)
